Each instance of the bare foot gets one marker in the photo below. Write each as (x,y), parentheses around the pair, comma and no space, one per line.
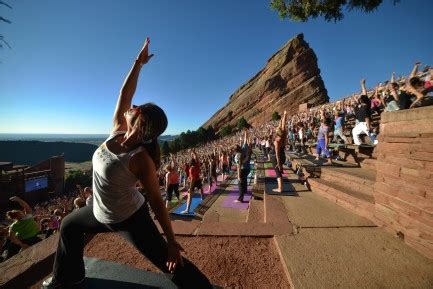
(277,190)
(237,201)
(185,212)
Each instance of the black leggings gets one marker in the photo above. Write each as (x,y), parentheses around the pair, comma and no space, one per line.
(139,230)
(243,184)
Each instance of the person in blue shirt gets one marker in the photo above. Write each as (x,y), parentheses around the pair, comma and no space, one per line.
(339,127)
(323,140)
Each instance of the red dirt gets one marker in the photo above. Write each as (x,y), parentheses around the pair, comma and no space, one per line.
(230,262)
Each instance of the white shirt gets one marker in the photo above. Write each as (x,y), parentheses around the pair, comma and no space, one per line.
(115,196)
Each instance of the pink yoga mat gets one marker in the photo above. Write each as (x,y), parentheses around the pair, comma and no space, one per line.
(271,173)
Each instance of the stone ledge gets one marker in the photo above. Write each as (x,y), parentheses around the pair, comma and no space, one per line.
(422,113)
(245,229)
(14,269)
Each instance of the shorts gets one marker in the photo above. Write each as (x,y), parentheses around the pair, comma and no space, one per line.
(172,188)
(197,184)
(212,177)
(225,169)
(278,172)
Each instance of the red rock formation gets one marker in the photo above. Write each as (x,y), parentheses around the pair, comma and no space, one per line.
(291,77)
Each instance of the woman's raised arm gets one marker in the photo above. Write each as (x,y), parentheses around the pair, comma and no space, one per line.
(129,87)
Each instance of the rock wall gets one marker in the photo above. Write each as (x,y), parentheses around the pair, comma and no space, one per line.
(404,183)
(291,77)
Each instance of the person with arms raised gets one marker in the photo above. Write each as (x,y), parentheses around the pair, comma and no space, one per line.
(24,231)
(129,156)
(279,158)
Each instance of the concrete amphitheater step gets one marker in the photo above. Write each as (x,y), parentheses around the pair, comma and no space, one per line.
(362,204)
(352,257)
(360,180)
(274,209)
(256,212)
(369,164)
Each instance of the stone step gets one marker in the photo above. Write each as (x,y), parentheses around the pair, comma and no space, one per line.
(352,257)
(274,209)
(369,164)
(361,204)
(256,212)
(360,180)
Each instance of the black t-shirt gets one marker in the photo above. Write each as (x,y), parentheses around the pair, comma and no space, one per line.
(405,100)
(388,99)
(362,112)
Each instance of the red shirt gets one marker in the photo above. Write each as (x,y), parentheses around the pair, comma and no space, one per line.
(194,172)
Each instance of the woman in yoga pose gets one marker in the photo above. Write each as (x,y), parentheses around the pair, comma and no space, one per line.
(279,158)
(129,155)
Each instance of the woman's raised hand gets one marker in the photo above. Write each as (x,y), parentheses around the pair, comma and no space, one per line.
(144,56)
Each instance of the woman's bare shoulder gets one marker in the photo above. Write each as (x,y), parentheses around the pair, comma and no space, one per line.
(141,162)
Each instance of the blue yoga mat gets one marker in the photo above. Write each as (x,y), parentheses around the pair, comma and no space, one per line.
(195,201)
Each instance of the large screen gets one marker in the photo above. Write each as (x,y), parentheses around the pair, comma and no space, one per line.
(36,184)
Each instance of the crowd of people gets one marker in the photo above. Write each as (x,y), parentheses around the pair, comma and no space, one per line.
(26,226)
(191,170)
(211,163)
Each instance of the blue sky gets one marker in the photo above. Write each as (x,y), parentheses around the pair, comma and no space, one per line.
(69,58)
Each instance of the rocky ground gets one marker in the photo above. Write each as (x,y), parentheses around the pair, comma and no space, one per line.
(230,262)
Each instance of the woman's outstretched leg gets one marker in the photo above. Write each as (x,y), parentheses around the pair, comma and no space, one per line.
(68,264)
(141,232)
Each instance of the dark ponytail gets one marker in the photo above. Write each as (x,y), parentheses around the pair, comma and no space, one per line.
(153,125)
(154,152)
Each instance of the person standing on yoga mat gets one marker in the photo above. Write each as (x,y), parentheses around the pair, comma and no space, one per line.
(323,138)
(243,167)
(195,182)
(279,157)
(212,166)
(224,160)
(171,184)
(129,156)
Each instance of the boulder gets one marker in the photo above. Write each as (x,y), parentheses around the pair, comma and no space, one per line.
(291,77)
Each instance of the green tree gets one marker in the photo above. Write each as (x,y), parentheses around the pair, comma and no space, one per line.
(225,131)
(210,133)
(165,149)
(242,123)
(2,19)
(331,10)
(276,116)
(77,177)
(174,145)
(202,134)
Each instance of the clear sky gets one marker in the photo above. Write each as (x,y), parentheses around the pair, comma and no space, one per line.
(69,58)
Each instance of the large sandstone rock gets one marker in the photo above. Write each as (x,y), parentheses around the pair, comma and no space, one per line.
(291,77)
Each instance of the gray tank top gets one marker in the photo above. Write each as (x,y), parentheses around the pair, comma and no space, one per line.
(115,196)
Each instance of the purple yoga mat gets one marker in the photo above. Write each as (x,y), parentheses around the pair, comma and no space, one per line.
(234,195)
